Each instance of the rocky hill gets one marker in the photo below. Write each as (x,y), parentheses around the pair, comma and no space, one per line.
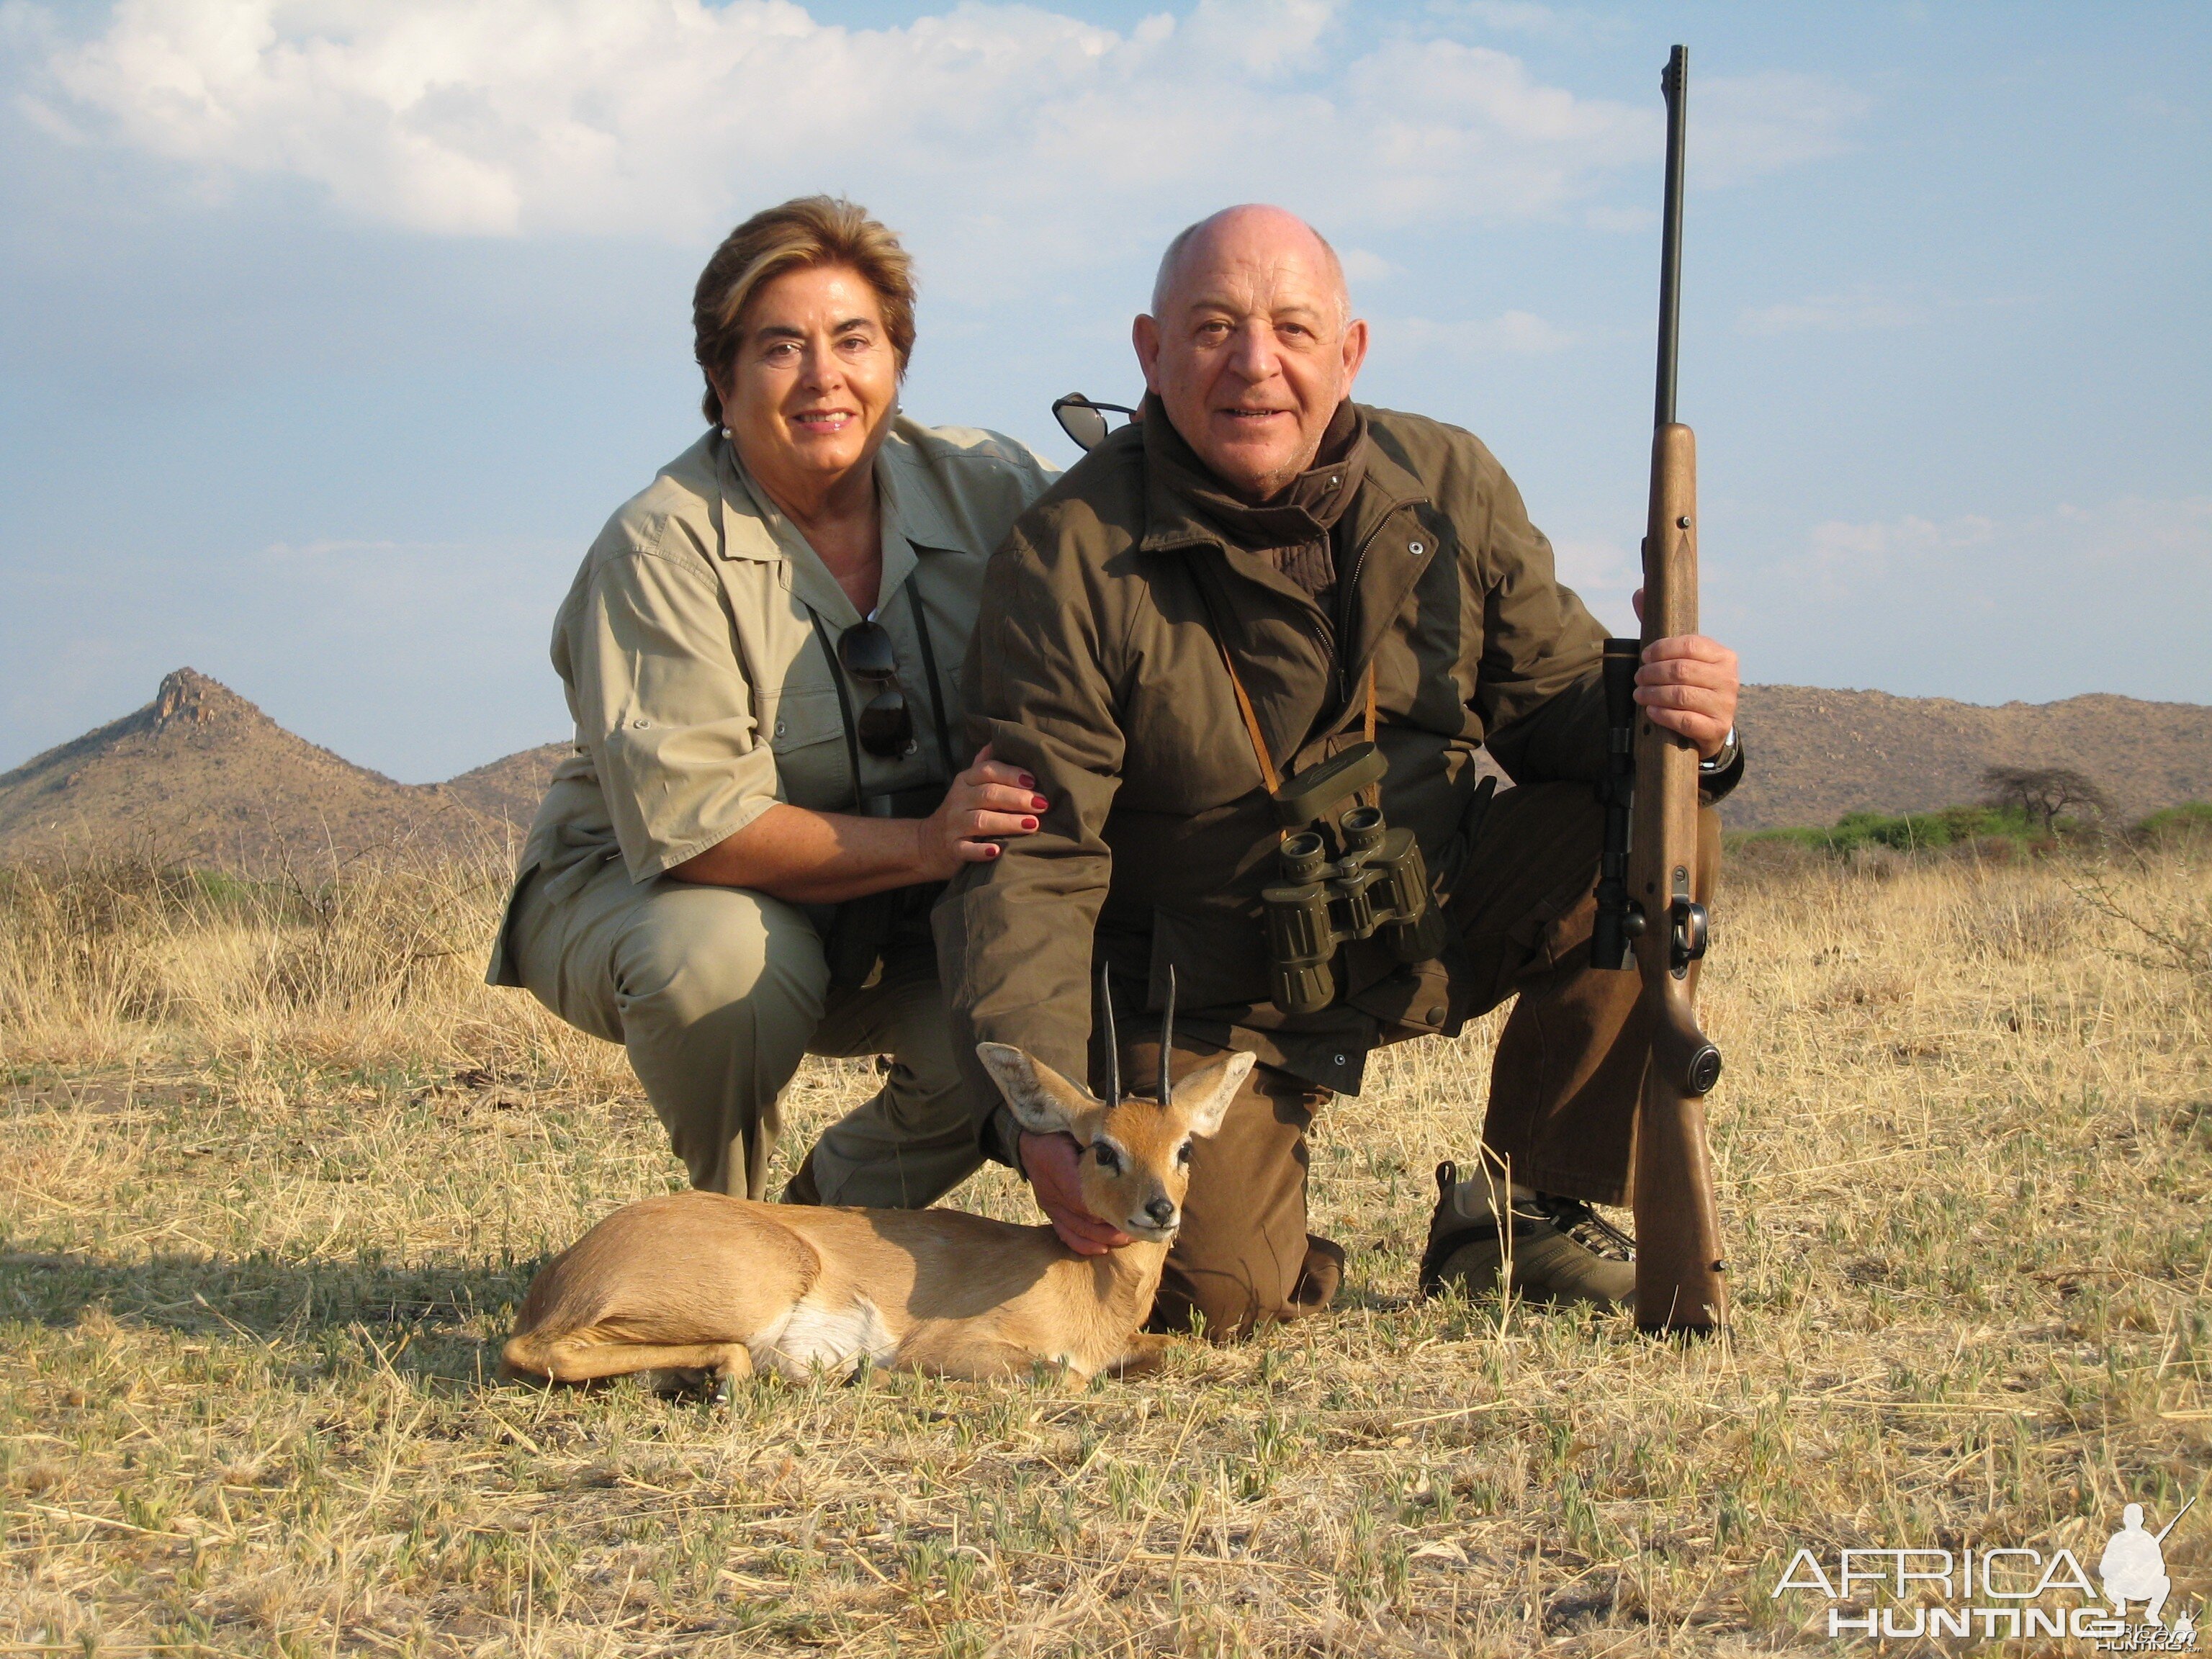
(1816,754)
(202,776)
(509,788)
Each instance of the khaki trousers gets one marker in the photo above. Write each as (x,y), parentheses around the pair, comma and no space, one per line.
(1564,1082)
(717,993)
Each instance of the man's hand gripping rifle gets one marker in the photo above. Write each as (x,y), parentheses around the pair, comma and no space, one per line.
(1651,916)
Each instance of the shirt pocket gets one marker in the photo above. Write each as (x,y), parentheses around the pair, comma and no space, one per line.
(807,734)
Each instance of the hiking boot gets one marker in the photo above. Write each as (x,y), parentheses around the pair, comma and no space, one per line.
(1560,1249)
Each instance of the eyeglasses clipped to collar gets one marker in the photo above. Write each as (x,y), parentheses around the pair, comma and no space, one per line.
(1084,419)
(886,726)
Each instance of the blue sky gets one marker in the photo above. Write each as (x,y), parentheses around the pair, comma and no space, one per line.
(333,331)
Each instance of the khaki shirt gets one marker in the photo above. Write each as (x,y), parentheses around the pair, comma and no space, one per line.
(699,688)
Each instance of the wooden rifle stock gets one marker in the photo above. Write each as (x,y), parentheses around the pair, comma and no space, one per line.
(1680,1282)
(1651,908)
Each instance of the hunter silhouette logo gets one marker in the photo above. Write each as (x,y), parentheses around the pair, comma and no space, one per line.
(2133,1565)
(1992,1593)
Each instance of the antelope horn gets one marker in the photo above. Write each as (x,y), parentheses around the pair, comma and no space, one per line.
(1167,1041)
(1112,1042)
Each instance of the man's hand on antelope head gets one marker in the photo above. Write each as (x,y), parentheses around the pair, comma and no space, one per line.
(1132,1158)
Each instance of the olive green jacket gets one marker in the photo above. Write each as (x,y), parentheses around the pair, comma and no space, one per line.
(695,671)
(1094,665)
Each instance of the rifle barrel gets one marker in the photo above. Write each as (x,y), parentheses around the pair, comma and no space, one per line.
(2176,1522)
(1675,81)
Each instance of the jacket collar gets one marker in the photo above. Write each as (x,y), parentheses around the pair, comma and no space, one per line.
(1197,504)
(1174,520)
(1385,566)
(1381,577)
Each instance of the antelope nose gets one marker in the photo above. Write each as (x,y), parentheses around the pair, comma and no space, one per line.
(1162,1211)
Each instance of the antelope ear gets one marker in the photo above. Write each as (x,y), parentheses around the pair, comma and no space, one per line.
(1204,1096)
(1045,1102)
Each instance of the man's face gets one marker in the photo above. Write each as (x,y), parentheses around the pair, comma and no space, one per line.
(1252,350)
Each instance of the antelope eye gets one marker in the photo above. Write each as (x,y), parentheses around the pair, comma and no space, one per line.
(1106,1158)
(1182,1153)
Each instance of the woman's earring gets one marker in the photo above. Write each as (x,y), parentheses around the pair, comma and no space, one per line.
(726,433)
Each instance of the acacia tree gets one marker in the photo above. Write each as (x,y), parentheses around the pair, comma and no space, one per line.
(2044,791)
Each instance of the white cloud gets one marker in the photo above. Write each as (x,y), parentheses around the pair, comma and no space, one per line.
(1832,313)
(1512,333)
(1363,265)
(1597,566)
(1624,221)
(1024,132)
(1266,37)
(1745,126)
(2134,529)
(1563,25)
(2108,597)
(1842,557)
(2138,536)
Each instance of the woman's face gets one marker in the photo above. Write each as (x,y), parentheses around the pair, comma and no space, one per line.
(810,393)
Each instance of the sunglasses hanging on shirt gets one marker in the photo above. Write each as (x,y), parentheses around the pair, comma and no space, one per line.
(885,725)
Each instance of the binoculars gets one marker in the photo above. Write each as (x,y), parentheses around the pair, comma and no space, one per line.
(1346,876)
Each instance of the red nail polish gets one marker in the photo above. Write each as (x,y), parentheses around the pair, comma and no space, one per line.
(1027,781)
(1038,803)
(1029,824)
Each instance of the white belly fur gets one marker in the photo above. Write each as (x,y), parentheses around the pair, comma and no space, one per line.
(816,1338)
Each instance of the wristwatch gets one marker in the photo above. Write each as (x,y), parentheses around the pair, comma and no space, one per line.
(1725,758)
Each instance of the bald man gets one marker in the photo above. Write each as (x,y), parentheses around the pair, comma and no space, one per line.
(1248,580)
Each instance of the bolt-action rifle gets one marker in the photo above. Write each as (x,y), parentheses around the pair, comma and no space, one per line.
(1651,913)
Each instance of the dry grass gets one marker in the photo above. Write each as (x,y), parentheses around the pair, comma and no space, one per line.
(274,1169)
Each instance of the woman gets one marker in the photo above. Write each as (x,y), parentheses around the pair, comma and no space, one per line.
(734,870)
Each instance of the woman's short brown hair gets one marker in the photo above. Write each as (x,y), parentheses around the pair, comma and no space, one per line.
(805,232)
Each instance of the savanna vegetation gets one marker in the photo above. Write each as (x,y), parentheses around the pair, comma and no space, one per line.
(2024,810)
(276,1167)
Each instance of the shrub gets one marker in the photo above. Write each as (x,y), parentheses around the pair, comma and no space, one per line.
(2179,825)
(1990,834)
(1977,827)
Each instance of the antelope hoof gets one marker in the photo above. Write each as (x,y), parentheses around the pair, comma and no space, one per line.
(1146,1354)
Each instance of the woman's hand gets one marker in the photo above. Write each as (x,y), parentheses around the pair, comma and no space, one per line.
(986,803)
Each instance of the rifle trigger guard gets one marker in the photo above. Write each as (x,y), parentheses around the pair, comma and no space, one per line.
(1691,930)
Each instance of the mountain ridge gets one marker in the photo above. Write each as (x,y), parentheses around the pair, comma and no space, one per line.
(201,776)
(1814,754)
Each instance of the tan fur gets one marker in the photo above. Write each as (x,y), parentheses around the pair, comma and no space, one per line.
(697,1281)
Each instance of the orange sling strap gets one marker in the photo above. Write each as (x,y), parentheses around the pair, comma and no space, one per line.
(1252,721)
